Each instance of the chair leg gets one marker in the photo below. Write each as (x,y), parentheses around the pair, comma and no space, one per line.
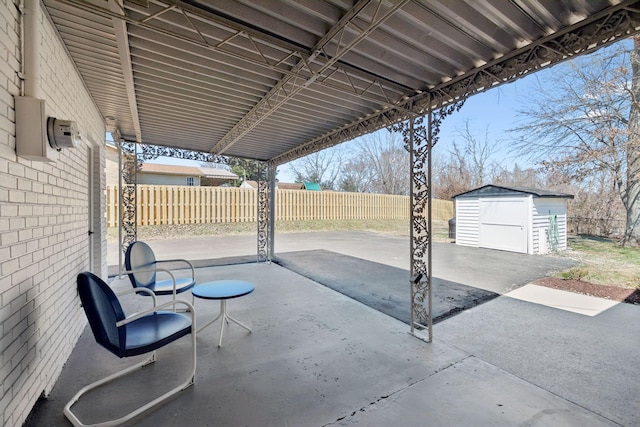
(77,423)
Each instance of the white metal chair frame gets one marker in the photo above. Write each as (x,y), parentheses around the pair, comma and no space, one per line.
(153,261)
(152,358)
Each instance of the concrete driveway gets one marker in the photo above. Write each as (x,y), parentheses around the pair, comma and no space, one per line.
(491,270)
(373,268)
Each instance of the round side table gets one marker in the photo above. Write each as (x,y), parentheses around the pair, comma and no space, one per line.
(223,290)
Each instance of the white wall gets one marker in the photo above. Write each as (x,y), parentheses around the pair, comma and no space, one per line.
(505,223)
(44,222)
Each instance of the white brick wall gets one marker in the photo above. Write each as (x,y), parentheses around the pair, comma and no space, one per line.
(44,220)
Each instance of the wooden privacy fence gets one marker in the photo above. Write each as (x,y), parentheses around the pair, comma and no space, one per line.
(158,204)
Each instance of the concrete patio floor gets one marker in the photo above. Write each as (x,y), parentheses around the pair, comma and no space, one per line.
(319,358)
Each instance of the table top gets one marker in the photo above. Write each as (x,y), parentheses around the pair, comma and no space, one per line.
(223,289)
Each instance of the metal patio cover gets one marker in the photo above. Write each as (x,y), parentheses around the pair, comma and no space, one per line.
(276,80)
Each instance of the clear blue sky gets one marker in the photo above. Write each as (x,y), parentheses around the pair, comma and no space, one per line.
(496,109)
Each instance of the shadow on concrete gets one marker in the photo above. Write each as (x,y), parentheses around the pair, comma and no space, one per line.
(380,286)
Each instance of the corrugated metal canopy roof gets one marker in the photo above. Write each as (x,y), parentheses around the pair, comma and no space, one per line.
(276,80)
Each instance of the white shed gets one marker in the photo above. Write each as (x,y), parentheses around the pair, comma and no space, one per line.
(513,219)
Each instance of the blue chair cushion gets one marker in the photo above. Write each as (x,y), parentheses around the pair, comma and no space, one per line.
(154,331)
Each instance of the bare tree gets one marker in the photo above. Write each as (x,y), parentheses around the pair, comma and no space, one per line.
(357,176)
(586,123)
(521,177)
(388,162)
(466,165)
(322,167)
(476,154)
(449,174)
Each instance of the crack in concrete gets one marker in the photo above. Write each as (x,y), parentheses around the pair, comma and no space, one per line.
(385,397)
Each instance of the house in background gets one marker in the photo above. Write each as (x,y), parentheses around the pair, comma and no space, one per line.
(162,174)
(193,176)
(159,174)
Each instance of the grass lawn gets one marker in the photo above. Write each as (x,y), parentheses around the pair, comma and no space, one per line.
(603,261)
(391,227)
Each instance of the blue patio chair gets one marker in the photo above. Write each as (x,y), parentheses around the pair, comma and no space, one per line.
(140,333)
(142,268)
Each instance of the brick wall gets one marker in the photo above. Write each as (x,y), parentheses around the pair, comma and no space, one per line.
(45,215)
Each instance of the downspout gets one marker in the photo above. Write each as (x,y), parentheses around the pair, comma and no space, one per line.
(31,48)
(32,141)
(21,72)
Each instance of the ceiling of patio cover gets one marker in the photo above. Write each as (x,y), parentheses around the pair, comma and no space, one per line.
(276,80)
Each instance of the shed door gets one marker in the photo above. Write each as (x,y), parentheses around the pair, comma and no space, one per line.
(503,224)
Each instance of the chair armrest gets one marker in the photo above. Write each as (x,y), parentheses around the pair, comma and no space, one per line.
(141,314)
(149,270)
(193,272)
(140,290)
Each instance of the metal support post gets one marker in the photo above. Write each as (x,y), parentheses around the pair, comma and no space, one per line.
(271,225)
(264,215)
(127,224)
(419,144)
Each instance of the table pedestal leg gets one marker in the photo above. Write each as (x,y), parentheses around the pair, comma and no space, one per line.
(225,319)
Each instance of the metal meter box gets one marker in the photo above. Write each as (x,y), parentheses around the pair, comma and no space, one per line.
(31,132)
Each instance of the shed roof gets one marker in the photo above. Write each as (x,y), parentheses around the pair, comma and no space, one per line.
(500,191)
(277,80)
(289,185)
(279,185)
(313,186)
